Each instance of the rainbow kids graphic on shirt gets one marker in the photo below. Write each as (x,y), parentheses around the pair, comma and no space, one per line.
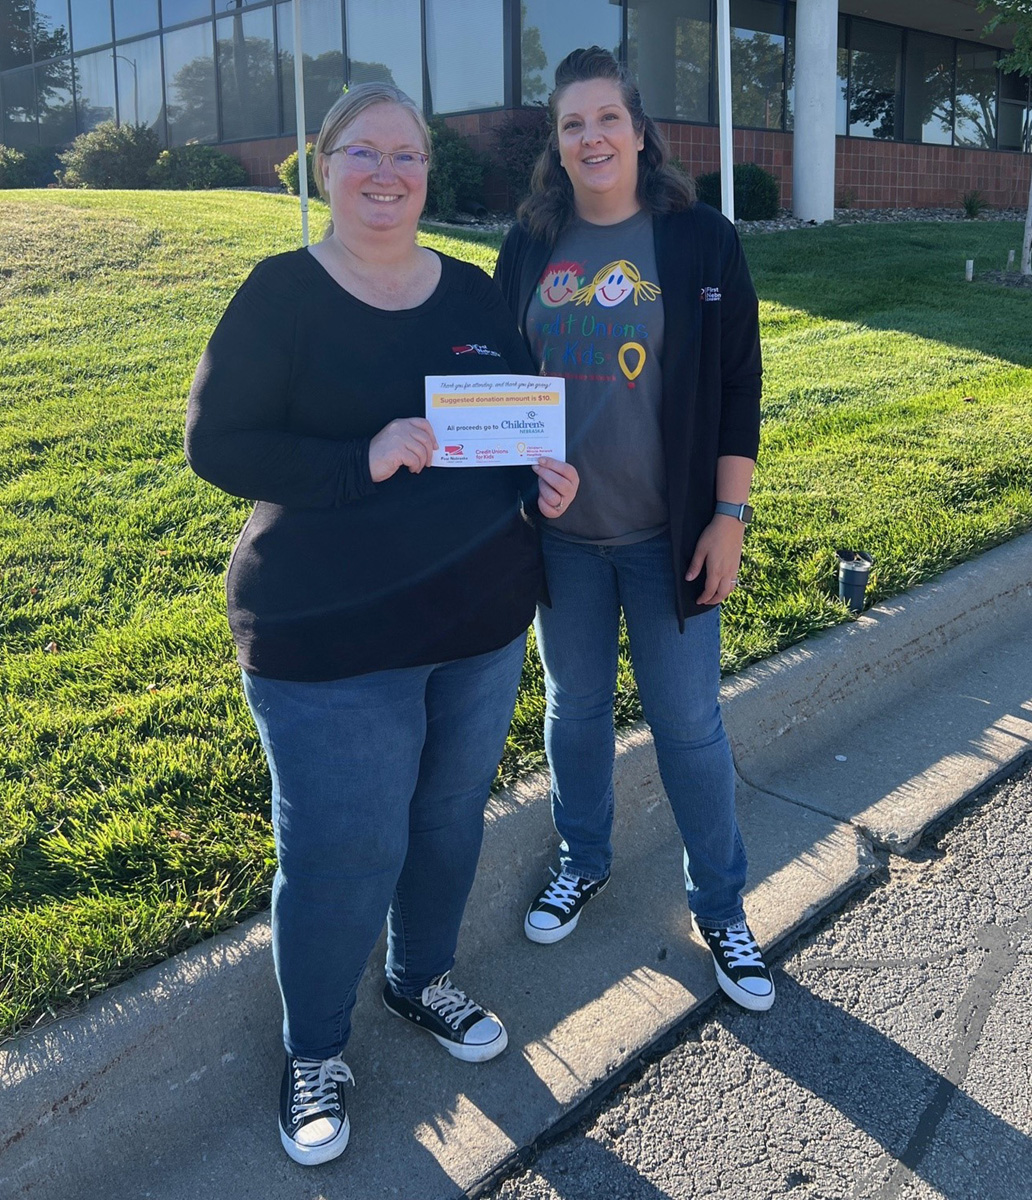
(582,345)
(560,283)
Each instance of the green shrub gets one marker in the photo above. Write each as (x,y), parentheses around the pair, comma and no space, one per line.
(32,167)
(456,172)
(287,173)
(196,168)
(111,156)
(973,203)
(520,139)
(757,192)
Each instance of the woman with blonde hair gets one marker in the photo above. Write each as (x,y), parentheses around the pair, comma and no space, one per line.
(658,339)
(379,608)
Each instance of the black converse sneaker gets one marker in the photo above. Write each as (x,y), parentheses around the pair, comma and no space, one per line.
(556,910)
(462,1026)
(313,1121)
(738,962)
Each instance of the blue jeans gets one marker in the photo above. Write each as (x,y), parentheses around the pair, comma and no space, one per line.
(678,677)
(378,790)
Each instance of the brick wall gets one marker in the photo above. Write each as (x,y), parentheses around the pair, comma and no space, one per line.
(872,174)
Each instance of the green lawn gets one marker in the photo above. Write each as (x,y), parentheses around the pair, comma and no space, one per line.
(133,799)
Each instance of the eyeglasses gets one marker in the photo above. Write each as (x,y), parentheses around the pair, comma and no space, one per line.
(366,158)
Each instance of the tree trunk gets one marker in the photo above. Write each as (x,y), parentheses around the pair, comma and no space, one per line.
(1026,245)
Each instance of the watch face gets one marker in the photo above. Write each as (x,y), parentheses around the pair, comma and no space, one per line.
(747,513)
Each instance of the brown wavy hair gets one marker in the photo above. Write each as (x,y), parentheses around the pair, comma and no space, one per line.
(550,208)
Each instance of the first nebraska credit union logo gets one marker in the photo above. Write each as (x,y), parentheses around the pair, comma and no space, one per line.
(453,449)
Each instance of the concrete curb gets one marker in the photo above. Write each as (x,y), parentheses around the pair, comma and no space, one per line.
(167,1084)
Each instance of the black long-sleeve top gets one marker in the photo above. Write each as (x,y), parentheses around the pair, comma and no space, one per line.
(334,575)
(711,365)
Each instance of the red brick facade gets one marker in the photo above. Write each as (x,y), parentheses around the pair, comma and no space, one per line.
(868,173)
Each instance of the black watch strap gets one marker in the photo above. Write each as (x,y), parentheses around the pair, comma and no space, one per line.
(743,512)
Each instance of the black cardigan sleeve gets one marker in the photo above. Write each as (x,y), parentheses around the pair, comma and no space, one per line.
(740,361)
(237,428)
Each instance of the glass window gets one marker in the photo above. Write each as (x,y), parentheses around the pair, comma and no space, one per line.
(670,53)
(549,31)
(174,11)
(1015,112)
(322,44)
(135,16)
(790,66)
(19,97)
(138,70)
(50,30)
(55,104)
(388,51)
(15,35)
(464,54)
(247,75)
(875,53)
(757,63)
(190,85)
(94,89)
(91,23)
(977,81)
(928,103)
(842,99)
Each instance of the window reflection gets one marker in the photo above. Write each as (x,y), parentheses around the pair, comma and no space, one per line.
(174,11)
(757,63)
(135,16)
(190,84)
(976,95)
(54,103)
(381,51)
(16,39)
(19,98)
(50,29)
(91,23)
(1015,112)
(94,89)
(549,31)
(464,54)
(842,98)
(247,75)
(322,42)
(874,80)
(929,89)
(670,53)
(138,70)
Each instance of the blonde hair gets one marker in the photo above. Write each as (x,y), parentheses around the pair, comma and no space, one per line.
(641,287)
(347,110)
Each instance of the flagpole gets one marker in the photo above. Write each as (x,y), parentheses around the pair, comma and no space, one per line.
(299,103)
(727,170)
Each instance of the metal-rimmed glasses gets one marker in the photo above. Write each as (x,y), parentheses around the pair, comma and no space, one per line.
(368,159)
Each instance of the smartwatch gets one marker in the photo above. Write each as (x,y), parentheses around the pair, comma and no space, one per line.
(743,512)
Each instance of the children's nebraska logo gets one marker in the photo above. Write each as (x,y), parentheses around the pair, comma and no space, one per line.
(473,348)
(453,449)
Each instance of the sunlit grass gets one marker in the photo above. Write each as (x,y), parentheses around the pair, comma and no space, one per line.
(133,797)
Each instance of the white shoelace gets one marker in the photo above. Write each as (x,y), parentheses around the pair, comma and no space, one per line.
(448,1001)
(740,948)
(562,892)
(314,1081)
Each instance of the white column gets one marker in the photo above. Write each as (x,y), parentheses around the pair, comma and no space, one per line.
(299,112)
(816,85)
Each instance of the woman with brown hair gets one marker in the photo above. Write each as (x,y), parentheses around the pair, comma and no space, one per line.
(642,300)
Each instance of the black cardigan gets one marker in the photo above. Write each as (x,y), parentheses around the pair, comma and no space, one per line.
(711,365)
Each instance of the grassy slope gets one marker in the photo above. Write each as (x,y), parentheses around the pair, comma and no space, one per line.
(133,802)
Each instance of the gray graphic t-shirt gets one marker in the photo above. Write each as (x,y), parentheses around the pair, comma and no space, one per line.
(596,319)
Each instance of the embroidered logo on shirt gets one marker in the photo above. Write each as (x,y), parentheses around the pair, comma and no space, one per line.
(709,293)
(472,348)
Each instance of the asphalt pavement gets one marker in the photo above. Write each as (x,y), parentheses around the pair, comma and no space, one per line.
(894,1066)
(848,747)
